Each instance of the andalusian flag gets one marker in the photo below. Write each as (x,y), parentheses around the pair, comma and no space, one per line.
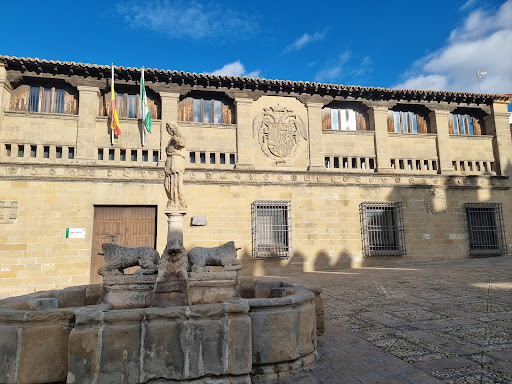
(144,104)
(114,120)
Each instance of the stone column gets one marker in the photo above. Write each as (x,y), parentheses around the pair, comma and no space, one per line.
(316,151)
(439,120)
(498,125)
(244,134)
(88,103)
(379,120)
(175,225)
(169,115)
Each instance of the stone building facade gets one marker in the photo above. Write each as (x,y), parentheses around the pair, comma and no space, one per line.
(302,176)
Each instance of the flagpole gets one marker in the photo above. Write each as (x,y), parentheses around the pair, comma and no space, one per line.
(143,127)
(111,90)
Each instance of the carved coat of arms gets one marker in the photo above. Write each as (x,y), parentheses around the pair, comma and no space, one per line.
(279,132)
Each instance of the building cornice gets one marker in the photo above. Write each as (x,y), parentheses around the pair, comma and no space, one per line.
(39,66)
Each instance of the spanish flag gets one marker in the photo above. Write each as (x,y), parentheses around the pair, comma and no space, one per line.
(114,120)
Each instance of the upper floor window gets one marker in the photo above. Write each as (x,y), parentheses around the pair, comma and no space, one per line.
(206,110)
(44,98)
(460,124)
(344,119)
(128,104)
(406,121)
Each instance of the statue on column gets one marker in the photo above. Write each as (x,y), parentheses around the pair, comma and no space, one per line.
(174,169)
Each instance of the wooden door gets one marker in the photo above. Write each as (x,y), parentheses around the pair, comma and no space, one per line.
(128,226)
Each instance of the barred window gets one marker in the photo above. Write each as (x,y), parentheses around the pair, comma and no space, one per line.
(271,229)
(486,231)
(382,228)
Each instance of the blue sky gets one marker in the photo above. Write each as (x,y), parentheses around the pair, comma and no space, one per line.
(435,44)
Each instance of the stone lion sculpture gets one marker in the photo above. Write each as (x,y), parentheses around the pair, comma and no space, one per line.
(225,255)
(117,258)
(174,261)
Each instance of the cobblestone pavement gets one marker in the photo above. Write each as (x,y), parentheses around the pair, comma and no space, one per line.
(444,322)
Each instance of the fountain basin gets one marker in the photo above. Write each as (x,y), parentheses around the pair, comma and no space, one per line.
(58,336)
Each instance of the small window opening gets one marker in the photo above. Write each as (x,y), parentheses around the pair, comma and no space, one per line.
(33,150)
(354,163)
(192,157)
(212,158)
(401,164)
(470,166)
(336,162)
(409,165)
(46,152)
(71,152)
(100,153)
(327,162)
(145,156)
(231,158)
(222,158)
(434,165)
(372,163)
(155,156)
(363,163)
(392,163)
(425,165)
(21,150)
(477,164)
(8,150)
(58,152)
(462,167)
(111,154)
(492,166)
(202,158)
(418,165)
(122,155)
(345,162)
(133,155)
(454,165)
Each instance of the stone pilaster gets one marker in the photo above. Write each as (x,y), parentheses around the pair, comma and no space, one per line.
(88,102)
(379,121)
(244,134)
(316,153)
(169,116)
(5,89)
(439,120)
(498,125)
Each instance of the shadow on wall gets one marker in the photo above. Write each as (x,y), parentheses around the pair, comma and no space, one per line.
(435,227)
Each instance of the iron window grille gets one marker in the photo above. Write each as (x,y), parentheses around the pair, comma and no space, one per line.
(486,230)
(271,229)
(382,229)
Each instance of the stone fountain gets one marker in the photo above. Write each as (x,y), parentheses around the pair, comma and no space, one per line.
(180,318)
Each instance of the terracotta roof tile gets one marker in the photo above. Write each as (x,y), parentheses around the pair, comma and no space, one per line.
(263,81)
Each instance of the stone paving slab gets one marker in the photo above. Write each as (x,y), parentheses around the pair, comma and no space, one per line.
(443,322)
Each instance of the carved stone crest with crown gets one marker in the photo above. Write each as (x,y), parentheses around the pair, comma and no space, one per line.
(279,131)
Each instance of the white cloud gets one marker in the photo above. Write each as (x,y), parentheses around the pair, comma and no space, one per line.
(306,38)
(483,42)
(344,67)
(468,4)
(235,68)
(181,19)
